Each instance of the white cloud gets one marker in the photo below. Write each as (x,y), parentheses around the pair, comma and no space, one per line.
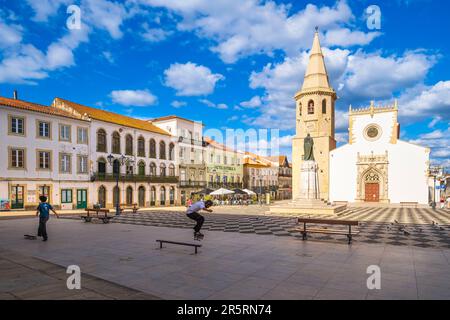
(10,35)
(246,27)
(178,104)
(155,34)
(43,9)
(439,142)
(190,79)
(213,105)
(138,98)
(59,55)
(105,15)
(423,101)
(108,56)
(345,37)
(252,103)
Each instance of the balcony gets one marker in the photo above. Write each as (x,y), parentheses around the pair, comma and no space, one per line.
(134,178)
(192,184)
(192,141)
(226,185)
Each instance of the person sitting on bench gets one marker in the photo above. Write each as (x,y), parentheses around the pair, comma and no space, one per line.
(192,213)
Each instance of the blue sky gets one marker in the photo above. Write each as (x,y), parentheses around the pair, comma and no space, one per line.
(232,64)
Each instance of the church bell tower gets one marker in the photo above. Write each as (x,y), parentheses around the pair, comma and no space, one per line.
(314,116)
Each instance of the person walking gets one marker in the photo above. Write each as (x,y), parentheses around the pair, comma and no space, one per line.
(43,210)
(192,213)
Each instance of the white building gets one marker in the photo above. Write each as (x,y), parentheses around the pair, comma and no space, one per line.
(191,152)
(375,166)
(150,179)
(43,151)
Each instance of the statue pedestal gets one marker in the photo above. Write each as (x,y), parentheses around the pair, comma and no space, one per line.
(308,202)
(309,181)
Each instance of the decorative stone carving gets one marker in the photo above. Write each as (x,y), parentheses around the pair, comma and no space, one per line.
(372,169)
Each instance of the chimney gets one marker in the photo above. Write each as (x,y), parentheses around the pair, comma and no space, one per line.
(15,95)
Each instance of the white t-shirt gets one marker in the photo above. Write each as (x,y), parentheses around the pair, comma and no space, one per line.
(196,207)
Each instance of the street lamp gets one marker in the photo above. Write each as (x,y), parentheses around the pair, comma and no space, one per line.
(117,163)
(435,171)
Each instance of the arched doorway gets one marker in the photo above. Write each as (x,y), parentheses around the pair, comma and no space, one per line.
(102,196)
(152,196)
(116,196)
(141,196)
(162,196)
(129,196)
(372,187)
(172,195)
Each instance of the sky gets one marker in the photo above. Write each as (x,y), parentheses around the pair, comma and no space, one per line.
(233,64)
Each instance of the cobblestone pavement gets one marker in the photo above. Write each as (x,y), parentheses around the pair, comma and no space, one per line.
(27,278)
(423,228)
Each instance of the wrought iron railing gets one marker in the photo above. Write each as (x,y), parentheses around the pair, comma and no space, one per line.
(134,178)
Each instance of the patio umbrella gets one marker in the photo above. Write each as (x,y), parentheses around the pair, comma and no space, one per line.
(221,192)
(239,191)
(249,192)
(204,191)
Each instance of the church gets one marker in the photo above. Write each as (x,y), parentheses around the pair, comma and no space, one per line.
(375,165)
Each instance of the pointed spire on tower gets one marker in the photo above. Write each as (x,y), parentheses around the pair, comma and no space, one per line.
(316,76)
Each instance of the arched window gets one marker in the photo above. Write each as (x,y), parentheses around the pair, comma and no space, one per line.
(141,196)
(116,167)
(129,199)
(141,147)
(102,196)
(162,196)
(101,140)
(115,142)
(162,170)
(311,107)
(324,106)
(152,169)
(129,145)
(171,151)
(172,170)
(101,166)
(162,150)
(141,168)
(152,149)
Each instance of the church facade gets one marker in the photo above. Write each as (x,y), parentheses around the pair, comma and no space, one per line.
(376,166)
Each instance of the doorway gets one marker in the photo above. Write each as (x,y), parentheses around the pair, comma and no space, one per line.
(81,199)
(17,194)
(372,192)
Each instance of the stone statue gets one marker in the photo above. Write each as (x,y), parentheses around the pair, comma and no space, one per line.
(308,148)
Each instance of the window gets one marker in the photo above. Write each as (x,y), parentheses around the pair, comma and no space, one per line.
(141,147)
(224,159)
(66,196)
(64,132)
(324,106)
(64,163)
(17,158)
(141,168)
(162,170)
(152,169)
(311,107)
(17,125)
(101,166)
(129,145)
(44,160)
(82,164)
(172,170)
(43,129)
(101,140)
(115,143)
(162,150)
(171,151)
(152,149)
(181,152)
(82,135)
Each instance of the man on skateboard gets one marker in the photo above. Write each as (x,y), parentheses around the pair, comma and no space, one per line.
(43,210)
(192,213)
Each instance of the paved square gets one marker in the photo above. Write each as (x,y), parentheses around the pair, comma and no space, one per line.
(234,265)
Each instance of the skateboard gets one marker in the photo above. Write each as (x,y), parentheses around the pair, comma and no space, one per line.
(198,237)
(30,237)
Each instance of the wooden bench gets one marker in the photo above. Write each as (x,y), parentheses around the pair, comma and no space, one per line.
(304,231)
(196,246)
(408,204)
(134,207)
(101,214)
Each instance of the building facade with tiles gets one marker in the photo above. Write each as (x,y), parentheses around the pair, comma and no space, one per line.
(375,165)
